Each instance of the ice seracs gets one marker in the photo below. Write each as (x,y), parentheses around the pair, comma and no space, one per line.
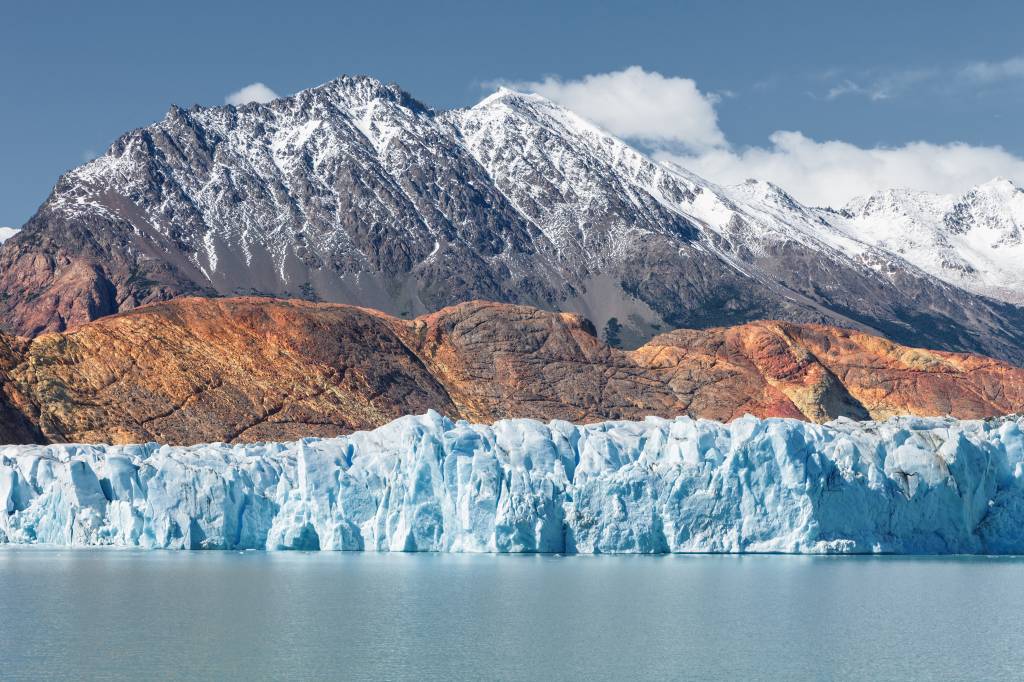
(429,484)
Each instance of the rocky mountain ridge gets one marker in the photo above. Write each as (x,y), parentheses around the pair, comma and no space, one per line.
(248,369)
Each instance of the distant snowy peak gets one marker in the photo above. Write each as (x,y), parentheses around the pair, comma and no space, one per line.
(900,202)
(996,208)
(6,233)
(765,192)
(975,241)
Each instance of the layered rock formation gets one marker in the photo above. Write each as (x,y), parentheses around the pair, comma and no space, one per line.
(249,369)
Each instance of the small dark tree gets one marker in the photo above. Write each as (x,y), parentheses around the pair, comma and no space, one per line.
(611,333)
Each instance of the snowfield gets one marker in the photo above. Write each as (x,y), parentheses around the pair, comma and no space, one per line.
(425,483)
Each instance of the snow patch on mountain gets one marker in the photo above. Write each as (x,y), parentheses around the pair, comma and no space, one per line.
(425,483)
(974,241)
(528,143)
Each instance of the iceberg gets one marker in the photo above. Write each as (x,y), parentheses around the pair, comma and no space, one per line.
(426,483)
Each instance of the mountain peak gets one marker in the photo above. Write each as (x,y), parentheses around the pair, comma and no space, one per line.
(534,109)
(347,90)
(357,90)
(509,96)
(896,201)
(765,190)
(999,186)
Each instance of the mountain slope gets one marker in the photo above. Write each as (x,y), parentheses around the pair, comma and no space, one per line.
(355,192)
(974,241)
(246,369)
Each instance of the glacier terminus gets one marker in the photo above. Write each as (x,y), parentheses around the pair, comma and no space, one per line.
(426,483)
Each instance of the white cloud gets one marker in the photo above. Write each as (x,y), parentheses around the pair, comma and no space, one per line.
(882,86)
(847,87)
(254,92)
(640,105)
(833,172)
(6,233)
(879,85)
(988,72)
(666,113)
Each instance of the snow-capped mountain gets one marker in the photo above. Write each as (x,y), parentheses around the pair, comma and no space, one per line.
(355,192)
(975,241)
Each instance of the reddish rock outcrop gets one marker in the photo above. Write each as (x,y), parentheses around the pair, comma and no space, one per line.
(199,370)
(498,360)
(246,369)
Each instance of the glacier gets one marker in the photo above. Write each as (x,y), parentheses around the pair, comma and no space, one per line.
(426,483)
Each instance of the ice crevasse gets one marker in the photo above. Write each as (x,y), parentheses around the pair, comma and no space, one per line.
(426,483)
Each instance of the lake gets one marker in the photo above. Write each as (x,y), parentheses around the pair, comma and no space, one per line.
(228,615)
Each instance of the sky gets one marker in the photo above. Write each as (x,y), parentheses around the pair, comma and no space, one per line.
(829,100)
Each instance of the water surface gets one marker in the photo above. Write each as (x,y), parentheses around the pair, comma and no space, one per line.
(226,615)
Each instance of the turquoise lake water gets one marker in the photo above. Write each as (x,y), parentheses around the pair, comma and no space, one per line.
(223,615)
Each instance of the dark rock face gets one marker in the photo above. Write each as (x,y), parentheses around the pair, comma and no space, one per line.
(248,369)
(354,192)
(63,272)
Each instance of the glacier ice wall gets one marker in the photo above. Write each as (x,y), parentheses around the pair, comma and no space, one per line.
(425,483)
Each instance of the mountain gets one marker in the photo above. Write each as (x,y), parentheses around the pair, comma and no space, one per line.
(974,241)
(355,192)
(249,369)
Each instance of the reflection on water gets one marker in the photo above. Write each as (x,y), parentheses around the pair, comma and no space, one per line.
(127,614)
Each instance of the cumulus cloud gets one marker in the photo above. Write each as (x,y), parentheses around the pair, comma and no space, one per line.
(254,92)
(988,72)
(678,122)
(833,172)
(6,233)
(639,105)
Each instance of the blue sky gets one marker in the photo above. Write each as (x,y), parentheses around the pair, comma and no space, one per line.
(869,76)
